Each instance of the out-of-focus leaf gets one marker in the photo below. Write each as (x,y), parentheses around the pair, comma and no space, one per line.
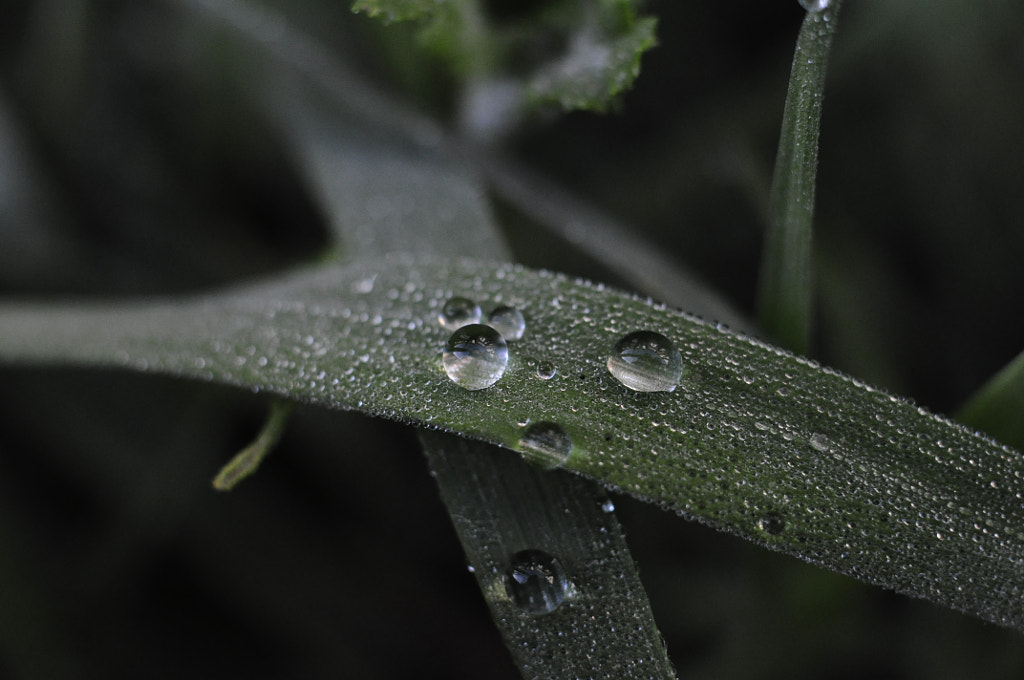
(400,10)
(455,31)
(601,61)
(785,290)
(998,407)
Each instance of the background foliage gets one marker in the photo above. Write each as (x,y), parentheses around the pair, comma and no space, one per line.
(136,161)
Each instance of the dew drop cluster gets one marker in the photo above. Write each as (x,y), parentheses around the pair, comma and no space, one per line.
(476,354)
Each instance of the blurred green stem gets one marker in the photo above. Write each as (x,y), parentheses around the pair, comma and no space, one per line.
(785,286)
(248,459)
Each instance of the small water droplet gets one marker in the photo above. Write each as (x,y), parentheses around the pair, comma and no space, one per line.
(546,444)
(475,356)
(546,370)
(508,321)
(458,312)
(814,5)
(772,523)
(608,506)
(646,361)
(819,442)
(535,582)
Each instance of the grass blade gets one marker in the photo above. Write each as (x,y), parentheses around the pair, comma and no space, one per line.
(605,627)
(755,441)
(785,287)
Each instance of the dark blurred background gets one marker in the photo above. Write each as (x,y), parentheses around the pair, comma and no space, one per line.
(135,161)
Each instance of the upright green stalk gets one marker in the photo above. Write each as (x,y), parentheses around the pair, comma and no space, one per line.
(785,287)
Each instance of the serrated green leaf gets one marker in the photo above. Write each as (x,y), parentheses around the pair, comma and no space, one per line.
(595,69)
(399,10)
(755,441)
(455,31)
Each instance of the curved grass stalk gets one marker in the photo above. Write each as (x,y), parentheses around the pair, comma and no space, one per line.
(785,286)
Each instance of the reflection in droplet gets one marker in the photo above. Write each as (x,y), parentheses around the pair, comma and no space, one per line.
(546,370)
(546,444)
(535,582)
(475,357)
(508,321)
(814,5)
(608,506)
(458,312)
(646,361)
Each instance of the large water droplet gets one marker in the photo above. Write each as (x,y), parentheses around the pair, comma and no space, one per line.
(458,312)
(814,5)
(646,361)
(508,321)
(475,356)
(546,444)
(535,582)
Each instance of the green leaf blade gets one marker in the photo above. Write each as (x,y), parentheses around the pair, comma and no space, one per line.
(754,441)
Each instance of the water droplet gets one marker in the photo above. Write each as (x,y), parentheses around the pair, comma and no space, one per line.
(546,444)
(608,506)
(475,356)
(508,321)
(814,5)
(772,523)
(546,370)
(458,312)
(819,442)
(646,361)
(535,582)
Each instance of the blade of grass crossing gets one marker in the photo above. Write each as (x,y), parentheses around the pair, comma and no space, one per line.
(501,507)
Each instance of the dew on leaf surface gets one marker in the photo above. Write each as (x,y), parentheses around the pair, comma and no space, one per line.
(546,444)
(458,312)
(646,361)
(536,582)
(508,321)
(475,356)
